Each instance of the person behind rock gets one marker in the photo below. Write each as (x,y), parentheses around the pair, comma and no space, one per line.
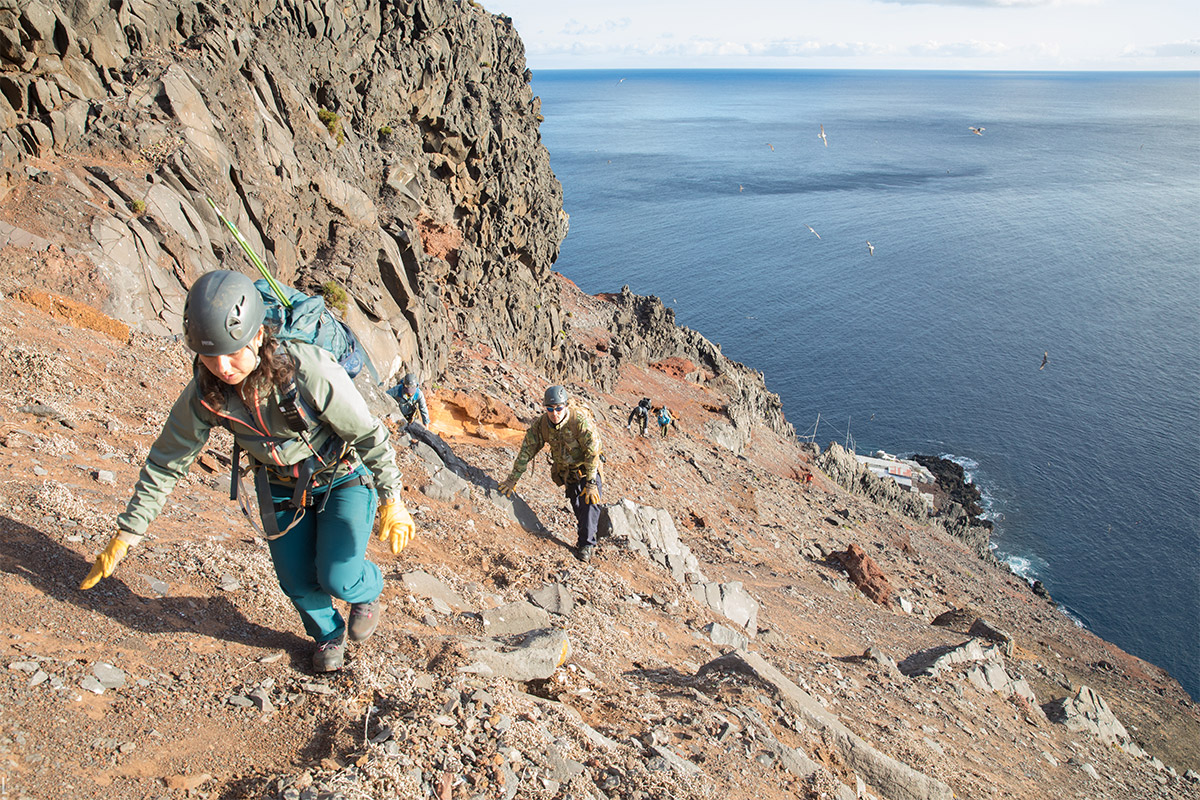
(318,488)
(574,442)
(408,394)
(665,420)
(641,415)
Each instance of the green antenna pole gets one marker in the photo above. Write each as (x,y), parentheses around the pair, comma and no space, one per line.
(253,256)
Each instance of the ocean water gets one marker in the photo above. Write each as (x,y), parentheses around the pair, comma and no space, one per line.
(1069,227)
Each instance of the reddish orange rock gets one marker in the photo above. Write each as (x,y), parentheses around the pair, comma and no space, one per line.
(865,574)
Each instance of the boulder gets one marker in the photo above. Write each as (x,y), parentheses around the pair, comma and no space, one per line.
(992,677)
(422,584)
(516,617)
(555,598)
(720,634)
(865,574)
(524,657)
(985,630)
(957,619)
(1087,711)
(936,660)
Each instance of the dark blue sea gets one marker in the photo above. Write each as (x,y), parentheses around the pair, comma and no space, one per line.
(1069,227)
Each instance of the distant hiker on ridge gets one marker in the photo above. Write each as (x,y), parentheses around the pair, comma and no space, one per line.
(574,444)
(665,420)
(321,461)
(408,394)
(640,415)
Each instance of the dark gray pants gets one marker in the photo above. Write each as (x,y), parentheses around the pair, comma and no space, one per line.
(587,515)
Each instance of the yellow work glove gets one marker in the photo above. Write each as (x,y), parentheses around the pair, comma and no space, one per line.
(396,526)
(106,562)
(590,493)
(507,486)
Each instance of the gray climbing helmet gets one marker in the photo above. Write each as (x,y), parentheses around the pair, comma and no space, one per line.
(410,383)
(222,313)
(555,396)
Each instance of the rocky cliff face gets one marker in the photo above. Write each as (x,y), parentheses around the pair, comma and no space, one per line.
(342,140)
(390,148)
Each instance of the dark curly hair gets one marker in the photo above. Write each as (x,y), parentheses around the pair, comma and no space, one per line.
(275,368)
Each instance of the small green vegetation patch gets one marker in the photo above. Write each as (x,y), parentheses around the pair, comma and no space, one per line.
(335,297)
(333,124)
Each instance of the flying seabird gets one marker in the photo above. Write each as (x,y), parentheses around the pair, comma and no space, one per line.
(814,233)
(1045,360)
(821,136)
(870,247)
(977,131)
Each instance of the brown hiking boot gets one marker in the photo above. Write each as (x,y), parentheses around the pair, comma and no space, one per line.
(330,655)
(364,618)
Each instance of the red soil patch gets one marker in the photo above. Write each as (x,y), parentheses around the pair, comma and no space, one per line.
(77,314)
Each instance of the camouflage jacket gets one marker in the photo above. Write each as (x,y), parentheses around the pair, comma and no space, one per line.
(574,447)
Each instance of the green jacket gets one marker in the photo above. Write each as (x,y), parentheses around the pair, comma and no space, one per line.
(574,447)
(323,384)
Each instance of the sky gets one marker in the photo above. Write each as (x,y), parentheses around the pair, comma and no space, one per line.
(858,34)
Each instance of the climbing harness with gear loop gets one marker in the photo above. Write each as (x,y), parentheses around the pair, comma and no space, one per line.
(333,454)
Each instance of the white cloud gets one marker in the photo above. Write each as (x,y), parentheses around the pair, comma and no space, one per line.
(708,48)
(1189,49)
(968,49)
(990,3)
(921,34)
(574,27)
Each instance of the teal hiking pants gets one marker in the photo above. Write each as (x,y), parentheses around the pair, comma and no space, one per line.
(325,555)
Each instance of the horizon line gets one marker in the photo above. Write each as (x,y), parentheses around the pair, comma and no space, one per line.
(1192,71)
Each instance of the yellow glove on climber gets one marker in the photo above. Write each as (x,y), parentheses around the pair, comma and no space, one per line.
(106,562)
(396,525)
(507,486)
(590,493)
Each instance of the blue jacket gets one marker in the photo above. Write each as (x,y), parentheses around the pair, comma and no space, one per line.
(410,404)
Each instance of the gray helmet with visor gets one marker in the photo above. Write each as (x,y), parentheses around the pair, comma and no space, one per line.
(222,313)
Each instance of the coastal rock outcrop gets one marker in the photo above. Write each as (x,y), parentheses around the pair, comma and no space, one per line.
(841,466)
(644,331)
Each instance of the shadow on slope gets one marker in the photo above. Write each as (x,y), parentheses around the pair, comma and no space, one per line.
(56,571)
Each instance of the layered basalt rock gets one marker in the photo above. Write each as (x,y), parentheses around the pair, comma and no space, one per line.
(338,138)
(391,149)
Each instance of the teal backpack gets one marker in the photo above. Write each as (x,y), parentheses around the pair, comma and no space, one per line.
(308,320)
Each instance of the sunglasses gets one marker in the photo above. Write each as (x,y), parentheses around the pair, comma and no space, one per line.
(555,408)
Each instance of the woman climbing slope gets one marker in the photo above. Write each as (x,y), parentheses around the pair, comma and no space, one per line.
(322,462)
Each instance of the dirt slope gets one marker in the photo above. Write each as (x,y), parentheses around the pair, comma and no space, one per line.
(203,668)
